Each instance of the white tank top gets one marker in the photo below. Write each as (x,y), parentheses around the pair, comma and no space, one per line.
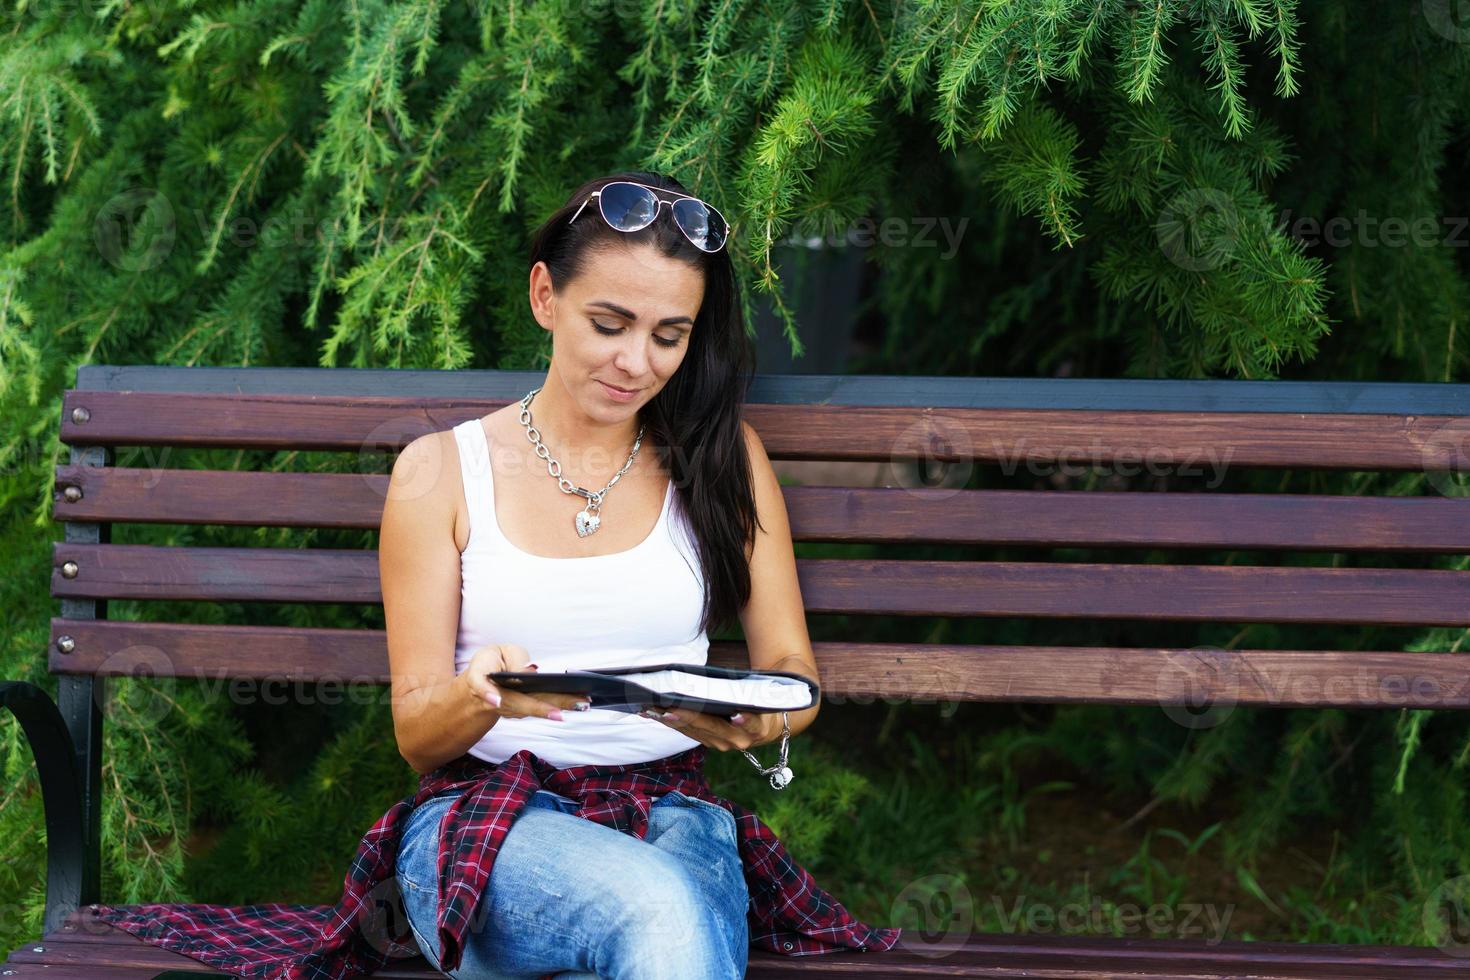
(638,606)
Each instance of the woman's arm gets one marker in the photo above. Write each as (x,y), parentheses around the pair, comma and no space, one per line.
(436,716)
(774,620)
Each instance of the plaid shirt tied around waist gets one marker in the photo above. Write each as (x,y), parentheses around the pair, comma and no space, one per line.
(788,914)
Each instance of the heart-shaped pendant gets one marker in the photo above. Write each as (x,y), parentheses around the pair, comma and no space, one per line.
(587,523)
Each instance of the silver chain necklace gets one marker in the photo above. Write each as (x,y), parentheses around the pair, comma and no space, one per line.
(589,518)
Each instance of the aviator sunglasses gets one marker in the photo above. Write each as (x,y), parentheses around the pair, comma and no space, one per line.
(629,206)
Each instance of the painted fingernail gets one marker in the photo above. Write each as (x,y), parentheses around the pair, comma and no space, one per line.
(737,718)
(556,715)
(582,705)
(533,666)
(669,716)
(493,698)
(649,712)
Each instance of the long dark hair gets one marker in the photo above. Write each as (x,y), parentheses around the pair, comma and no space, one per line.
(694,422)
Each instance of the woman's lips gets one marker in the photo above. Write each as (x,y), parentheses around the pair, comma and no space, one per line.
(618,394)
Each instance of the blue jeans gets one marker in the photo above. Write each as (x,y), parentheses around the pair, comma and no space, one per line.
(575,898)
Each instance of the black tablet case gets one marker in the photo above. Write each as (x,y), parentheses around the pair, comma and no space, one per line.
(617,689)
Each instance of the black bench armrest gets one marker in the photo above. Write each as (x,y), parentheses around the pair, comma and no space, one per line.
(51,744)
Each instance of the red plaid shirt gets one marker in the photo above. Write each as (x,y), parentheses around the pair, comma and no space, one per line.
(789,912)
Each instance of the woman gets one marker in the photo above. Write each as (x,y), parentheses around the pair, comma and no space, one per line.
(525,535)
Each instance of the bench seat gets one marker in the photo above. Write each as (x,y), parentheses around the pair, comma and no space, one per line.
(85,948)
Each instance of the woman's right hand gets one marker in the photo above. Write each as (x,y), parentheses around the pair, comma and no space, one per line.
(505,703)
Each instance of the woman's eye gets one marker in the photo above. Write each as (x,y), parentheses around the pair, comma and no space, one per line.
(613,332)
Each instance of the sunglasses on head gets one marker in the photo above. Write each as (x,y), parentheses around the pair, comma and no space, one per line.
(629,206)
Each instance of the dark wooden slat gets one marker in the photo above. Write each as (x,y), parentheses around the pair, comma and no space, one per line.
(1177,593)
(118,647)
(122,953)
(844,967)
(1089,394)
(257,575)
(217,574)
(243,498)
(979,955)
(1087,958)
(1130,519)
(1008,437)
(887,515)
(857,672)
(88,971)
(114,953)
(140,961)
(135,958)
(85,938)
(1065,590)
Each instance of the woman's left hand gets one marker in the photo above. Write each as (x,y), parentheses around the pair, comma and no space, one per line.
(718,732)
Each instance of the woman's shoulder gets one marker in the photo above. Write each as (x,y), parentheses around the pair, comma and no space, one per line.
(760,460)
(429,467)
(752,438)
(426,488)
(501,424)
(420,500)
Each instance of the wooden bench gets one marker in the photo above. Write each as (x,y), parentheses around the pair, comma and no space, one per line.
(1020,427)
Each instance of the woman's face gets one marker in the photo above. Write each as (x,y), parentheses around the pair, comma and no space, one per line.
(623,324)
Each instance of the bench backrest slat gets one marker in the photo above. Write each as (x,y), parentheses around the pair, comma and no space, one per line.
(1007,437)
(922,672)
(845,586)
(860,515)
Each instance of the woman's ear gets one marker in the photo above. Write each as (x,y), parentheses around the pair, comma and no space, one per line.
(542,296)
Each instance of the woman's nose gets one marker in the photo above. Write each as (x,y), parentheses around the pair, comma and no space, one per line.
(632,359)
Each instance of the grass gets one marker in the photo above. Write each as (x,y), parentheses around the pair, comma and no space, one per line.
(937,845)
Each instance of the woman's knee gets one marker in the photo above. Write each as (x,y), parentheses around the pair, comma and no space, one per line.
(661,923)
